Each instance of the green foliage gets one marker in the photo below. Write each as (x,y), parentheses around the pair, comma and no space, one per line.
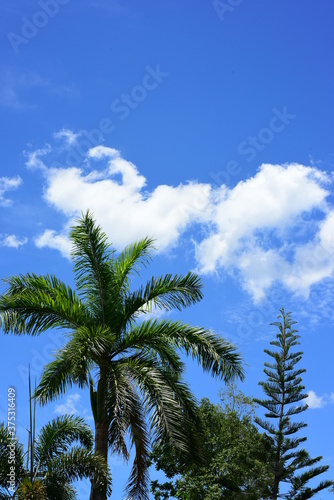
(31,491)
(133,369)
(234,456)
(284,391)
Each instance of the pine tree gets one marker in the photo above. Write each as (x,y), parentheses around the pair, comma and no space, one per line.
(285,396)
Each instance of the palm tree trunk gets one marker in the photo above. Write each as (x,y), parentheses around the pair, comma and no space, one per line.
(101,447)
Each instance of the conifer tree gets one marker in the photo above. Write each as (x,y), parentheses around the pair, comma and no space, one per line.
(285,396)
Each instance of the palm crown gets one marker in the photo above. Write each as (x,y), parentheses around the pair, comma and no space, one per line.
(133,369)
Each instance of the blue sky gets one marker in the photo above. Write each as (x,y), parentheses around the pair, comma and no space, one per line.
(208,125)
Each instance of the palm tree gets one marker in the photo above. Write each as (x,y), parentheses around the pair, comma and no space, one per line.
(55,463)
(133,368)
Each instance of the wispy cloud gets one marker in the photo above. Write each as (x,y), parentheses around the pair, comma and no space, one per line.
(34,161)
(8,184)
(66,135)
(70,405)
(16,89)
(276,227)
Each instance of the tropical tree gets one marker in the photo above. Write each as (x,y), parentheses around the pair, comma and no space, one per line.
(62,453)
(236,456)
(133,368)
(283,389)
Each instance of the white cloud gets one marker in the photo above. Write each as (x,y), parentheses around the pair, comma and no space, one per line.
(56,241)
(8,184)
(314,401)
(70,405)
(275,227)
(12,241)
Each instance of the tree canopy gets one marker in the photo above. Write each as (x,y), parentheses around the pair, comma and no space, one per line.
(234,460)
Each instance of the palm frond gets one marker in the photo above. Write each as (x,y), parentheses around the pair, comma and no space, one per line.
(118,401)
(137,486)
(165,292)
(32,304)
(60,374)
(126,414)
(58,435)
(92,344)
(143,337)
(94,275)
(168,401)
(60,490)
(216,356)
(79,463)
(129,261)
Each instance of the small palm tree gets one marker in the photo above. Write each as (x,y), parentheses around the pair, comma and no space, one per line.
(57,462)
(62,453)
(133,368)
(9,448)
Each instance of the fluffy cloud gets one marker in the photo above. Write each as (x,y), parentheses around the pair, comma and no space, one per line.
(56,241)
(275,227)
(314,401)
(314,261)
(12,241)
(255,229)
(8,184)
(119,201)
(271,200)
